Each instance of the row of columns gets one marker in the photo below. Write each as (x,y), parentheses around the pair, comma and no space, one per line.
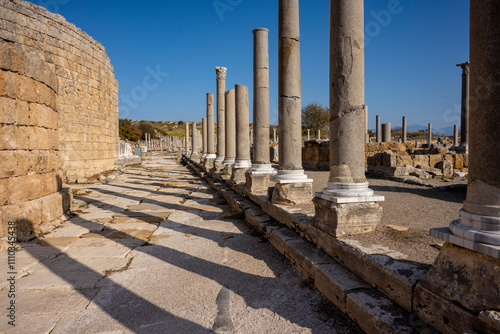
(347,205)
(347,182)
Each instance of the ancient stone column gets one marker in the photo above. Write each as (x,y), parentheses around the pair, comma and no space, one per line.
(292,185)
(221,115)
(186,138)
(464,122)
(274,136)
(429,135)
(258,177)
(204,137)
(347,206)
(403,130)
(367,136)
(230,130)
(308,134)
(243,161)
(194,140)
(209,159)
(467,269)
(386,132)
(377,130)
(455,135)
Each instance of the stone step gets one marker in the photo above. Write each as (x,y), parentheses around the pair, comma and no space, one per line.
(370,309)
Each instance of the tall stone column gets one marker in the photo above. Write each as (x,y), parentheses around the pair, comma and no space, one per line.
(467,269)
(455,135)
(429,135)
(221,115)
(230,131)
(377,130)
(464,121)
(258,177)
(367,136)
(194,140)
(386,132)
(243,161)
(186,138)
(275,138)
(403,130)
(347,206)
(308,134)
(204,137)
(292,185)
(209,159)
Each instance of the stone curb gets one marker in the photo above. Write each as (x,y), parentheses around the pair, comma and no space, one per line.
(370,309)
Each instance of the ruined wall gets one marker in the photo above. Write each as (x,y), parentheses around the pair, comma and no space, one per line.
(86,90)
(58,112)
(316,153)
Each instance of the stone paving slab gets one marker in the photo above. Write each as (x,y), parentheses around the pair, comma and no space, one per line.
(131,269)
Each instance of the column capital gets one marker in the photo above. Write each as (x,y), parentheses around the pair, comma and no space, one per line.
(221,72)
(465,67)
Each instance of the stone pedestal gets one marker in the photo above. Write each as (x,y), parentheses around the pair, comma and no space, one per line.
(292,185)
(258,178)
(343,219)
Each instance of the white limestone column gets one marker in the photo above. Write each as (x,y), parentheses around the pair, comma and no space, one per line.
(221,110)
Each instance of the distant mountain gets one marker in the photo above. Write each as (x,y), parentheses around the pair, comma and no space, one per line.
(447,131)
(415,127)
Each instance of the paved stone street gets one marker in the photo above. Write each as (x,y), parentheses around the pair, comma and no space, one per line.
(158,251)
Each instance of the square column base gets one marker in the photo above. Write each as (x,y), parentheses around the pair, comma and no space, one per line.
(460,291)
(218,167)
(292,193)
(208,164)
(258,182)
(228,170)
(343,219)
(238,175)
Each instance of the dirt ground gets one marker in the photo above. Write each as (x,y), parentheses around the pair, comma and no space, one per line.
(417,208)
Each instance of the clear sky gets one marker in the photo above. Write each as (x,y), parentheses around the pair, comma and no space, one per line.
(411,53)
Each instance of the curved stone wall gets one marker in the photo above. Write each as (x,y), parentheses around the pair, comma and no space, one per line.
(58,113)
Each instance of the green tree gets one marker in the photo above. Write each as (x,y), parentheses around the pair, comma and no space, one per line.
(315,117)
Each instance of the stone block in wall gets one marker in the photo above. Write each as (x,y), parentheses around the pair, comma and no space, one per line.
(4,191)
(458,161)
(434,159)
(13,137)
(42,116)
(388,159)
(403,160)
(420,160)
(24,188)
(13,111)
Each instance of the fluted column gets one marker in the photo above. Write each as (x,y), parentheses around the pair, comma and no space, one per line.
(221,110)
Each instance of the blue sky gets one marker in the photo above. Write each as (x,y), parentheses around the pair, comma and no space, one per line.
(410,58)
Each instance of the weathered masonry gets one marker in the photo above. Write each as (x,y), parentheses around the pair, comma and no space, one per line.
(58,112)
